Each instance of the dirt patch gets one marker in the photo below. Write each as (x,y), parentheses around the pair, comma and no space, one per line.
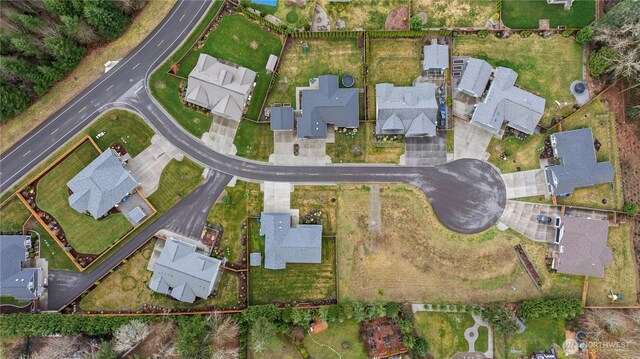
(375,217)
(543,24)
(253,44)
(398,19)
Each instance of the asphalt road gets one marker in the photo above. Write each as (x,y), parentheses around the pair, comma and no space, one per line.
(467,195)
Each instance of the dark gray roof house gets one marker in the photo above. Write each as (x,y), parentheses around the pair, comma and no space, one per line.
(475,77)
(183,273)
(578,164)
(410,111)
(281,118)
(221,87)
(286,244)
(505,102)
(327,105)
(101,185)
(16,280)
(582,249)
(436,57)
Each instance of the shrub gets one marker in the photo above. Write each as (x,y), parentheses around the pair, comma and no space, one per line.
(496,16)
(567,32)
(631,209)
(501,318)
(600,61)
(525,33)
(420,347)
(415,23)
(482,33)
(552,309)
(584,35)
(292,17)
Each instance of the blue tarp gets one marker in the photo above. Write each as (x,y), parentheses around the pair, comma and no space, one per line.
(266,2)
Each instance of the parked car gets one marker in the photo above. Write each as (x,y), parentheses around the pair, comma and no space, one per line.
(544,219)
(99,135)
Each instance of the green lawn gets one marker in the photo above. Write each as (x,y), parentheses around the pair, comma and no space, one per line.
(124,126)
(333,337)
(164,87)
(239,202)
(127,289)
(520,14)
(178,179)
(540,334)
(455,13)
(13,215)
(291,15)
(482,343)
(280,347)
(51,251)
(242,42)
(296,283)
(524,154)
(545,66)
(254,140)
(83,232)
(444,332)
(335,56)
(12,301)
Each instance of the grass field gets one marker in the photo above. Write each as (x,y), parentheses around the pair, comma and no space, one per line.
(312,198)
(540,334)
(482,343)
(280,347)
(13,215)
(361,14)
(544,66)
(335,56)
(49,249)
(602,124)
(239,202)
(88,70)
(455,13)
(83,232)
(296,283)
(395,61)
(518,14)
(178,179)
(444,332)
(164,87)
(244,43)
(125,127)
(348,331)
(127,289)
(620,276)
(432,255)
(293,16)
(254,140)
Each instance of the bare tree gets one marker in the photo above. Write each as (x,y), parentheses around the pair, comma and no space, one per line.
(58,348)
(614,334)
(129,335)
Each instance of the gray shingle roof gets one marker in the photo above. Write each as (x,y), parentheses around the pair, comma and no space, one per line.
(255,259)
(281,118)
(583,247)
(410,111)
(183,273)
(101,185)
(521,110)
(436,57)
(283,244)
(222,87)
(20,283)
(475,77)
(579,166)
(326,105)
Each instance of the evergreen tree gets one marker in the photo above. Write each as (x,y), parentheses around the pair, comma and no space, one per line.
(106,18)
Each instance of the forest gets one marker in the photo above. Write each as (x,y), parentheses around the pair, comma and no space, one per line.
(42,40)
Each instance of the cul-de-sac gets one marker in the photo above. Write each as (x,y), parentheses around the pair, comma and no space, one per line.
(297,179)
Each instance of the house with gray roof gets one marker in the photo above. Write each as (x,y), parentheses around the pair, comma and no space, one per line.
(411,111)
(17,278)
(475,77)
(281,118)
(101,185)
(220,86)
(327,105)
(506,103)
(183,273)
(578,166)
(285,243)
(566,3)
(436,58)
(582,249)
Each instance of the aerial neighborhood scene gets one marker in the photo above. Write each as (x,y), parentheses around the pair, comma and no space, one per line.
(296,179)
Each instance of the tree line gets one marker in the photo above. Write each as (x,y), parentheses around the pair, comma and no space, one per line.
(42,40)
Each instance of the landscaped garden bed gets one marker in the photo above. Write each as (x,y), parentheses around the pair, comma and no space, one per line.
(360,14)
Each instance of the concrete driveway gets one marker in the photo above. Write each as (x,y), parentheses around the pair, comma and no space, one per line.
(425,151)
(525,184)
(470,141)
(277,196)
(221,134)
(521,217)
(310,151)
(147,166)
